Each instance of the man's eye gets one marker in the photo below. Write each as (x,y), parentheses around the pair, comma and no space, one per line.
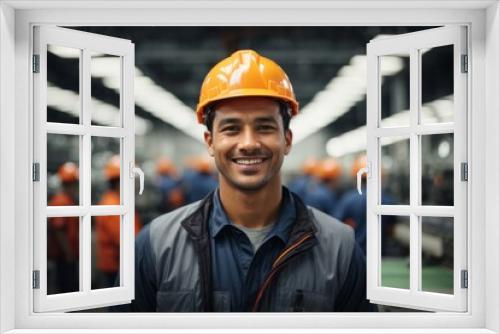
(230,129)
(265,127)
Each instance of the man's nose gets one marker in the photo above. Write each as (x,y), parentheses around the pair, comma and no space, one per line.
(249,140)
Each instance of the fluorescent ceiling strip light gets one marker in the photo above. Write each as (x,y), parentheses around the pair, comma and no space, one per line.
(437,111)
(67,101)
(148,95)
(161,103)
(339,95)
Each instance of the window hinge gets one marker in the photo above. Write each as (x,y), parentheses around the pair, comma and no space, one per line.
(465,66)
(36,63)
(465,279)
(36,172)
(36,279)
(464,171)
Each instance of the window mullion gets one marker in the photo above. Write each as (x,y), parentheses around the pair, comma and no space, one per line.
(85,176)
(415,237)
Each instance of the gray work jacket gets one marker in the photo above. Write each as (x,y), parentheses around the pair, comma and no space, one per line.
(320,269)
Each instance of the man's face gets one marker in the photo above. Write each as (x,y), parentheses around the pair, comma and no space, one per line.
(248,142)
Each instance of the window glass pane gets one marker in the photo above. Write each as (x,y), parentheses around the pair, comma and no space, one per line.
(105,251)
(394,74)
(106,86)
(437,254)
(105,171)
(395,250)
(63,243)
(395,170)
(437,169)
(62,170)
(63,84)
(437,85)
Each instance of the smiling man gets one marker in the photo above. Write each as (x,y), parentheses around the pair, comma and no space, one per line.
(251,245)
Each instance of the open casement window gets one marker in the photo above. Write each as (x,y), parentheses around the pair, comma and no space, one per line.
(94,131)
(405,135)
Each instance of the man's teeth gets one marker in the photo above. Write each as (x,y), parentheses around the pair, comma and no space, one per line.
(248,161)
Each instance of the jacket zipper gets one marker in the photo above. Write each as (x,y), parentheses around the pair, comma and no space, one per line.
(277,265)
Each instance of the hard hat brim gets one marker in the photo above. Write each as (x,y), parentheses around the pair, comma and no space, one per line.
(200,110)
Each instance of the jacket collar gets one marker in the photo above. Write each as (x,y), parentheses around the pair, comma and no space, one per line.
(304,221)
(286,217)
(197,223)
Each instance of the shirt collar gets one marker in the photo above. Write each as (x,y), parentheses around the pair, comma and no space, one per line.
(286,217)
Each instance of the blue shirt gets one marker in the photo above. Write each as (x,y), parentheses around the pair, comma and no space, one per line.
(236,270)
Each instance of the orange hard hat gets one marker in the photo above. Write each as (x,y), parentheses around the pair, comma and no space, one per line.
(245,73)
(68,172)
(329,169)
(359,163)
(112,168)
(200,164)
(309,166)
(164,166)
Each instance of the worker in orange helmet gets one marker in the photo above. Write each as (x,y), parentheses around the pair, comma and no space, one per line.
(301,183)
(321,192)
(198,179)
(169,183)
(251,245)
(351,208)
(63,233)
(108,227)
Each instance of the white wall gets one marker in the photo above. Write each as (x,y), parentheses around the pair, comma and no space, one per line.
(7,175)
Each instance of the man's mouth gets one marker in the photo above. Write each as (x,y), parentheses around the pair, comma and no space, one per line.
(248,161)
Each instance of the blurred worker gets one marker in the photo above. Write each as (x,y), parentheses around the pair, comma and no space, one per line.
(63,232)
(300,184)
(170,185)
(321,192)
(108,227)
(251,245)
(198,179)
(351,208)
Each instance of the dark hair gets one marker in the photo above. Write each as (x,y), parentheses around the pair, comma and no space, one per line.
(285,112)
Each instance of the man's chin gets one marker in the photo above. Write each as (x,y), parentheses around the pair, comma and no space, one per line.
(253,186)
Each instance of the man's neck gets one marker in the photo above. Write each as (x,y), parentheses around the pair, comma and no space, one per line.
(252,209)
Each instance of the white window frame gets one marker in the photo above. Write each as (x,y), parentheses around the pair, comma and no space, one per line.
(16,215)
(411,44)
(87,43)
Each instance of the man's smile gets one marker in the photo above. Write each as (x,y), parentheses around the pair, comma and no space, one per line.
(249,161)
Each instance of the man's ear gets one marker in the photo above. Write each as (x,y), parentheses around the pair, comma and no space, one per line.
(288,141)
(208,141)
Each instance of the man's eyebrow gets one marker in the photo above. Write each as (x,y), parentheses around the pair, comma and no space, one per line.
(229,120)
(266,119)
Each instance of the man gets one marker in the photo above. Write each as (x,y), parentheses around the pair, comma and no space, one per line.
(198,179)
(251,245)
(301,183)
(170,185)
(352,209)
(321,192)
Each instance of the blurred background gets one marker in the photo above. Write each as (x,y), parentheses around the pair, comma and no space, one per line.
(327,66)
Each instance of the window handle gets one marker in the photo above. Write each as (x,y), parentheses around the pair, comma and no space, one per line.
(136,171)
(361,171)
